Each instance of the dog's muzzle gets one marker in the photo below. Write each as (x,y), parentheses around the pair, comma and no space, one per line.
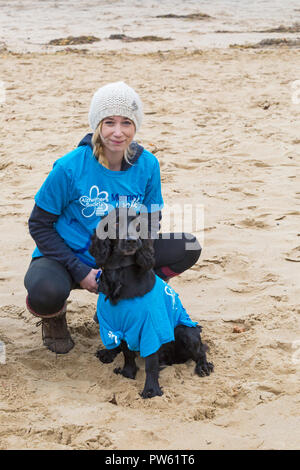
(130,245)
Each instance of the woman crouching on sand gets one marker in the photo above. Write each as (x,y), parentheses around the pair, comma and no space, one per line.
(106,166)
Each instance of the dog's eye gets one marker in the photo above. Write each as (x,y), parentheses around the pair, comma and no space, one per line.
(138,227)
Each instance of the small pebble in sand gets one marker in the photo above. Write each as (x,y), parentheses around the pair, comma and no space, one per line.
(238,329)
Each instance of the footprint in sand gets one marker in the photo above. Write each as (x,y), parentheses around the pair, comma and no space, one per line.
(184,167)
(258,163)
(236,189)
(4,165)
(293,255)
(88,329)
(204,413)
(198,160)
(167,179)
(293,213)
(245,287)
(166,166)
(251,223)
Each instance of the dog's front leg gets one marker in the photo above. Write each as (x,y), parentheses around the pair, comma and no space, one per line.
(203,367)
(152,388)
(130,368)
(107,355)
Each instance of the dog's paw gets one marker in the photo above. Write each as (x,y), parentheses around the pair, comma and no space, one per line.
(152,392)
(204,369)
(107,355)
(128,372)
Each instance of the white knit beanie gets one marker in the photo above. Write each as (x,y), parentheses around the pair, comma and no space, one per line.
(115,99)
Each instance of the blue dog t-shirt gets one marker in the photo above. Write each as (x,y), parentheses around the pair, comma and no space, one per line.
(145,323)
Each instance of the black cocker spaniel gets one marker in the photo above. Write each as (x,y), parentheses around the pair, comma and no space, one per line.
(123,249)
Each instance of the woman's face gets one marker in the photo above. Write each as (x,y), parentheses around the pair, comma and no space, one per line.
(117,133)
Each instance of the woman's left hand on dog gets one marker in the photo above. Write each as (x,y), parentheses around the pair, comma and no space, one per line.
(89,282)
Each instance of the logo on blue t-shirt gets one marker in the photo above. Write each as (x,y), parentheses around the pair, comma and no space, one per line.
(96,202)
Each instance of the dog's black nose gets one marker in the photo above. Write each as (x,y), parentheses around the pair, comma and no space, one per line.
(130,242)
(131,238)
(130,245)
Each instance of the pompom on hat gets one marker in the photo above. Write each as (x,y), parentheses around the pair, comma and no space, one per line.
(115,99)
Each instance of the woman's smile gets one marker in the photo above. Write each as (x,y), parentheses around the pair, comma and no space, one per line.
(118,142)
(117,131)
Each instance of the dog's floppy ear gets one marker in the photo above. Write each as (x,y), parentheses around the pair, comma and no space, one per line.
(100,249)
(145,255)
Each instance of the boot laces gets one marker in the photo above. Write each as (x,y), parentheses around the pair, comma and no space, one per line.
(39,323)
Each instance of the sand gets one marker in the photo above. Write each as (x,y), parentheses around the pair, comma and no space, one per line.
(30,25)
(224,124)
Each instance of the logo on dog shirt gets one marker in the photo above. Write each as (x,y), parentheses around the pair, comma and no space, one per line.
(112,336)
(171,293)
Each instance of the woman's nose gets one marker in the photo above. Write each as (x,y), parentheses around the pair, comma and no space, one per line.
(117,130)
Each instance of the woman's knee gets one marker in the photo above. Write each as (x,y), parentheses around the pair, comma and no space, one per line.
(46,298)
(191,253)
(48,285)
(193,248)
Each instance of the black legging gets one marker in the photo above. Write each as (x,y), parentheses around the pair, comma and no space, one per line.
(49,283)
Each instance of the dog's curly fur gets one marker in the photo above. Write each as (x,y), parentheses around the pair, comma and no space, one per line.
(123,279)
(120,282)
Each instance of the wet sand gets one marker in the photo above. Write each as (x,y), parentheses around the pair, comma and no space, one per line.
(225,129)
(30,25)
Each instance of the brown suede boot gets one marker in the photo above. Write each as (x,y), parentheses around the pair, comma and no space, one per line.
(55,333)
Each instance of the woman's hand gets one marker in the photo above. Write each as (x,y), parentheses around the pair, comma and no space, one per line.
(89,282)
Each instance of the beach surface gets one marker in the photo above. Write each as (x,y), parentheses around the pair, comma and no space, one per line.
(224,125)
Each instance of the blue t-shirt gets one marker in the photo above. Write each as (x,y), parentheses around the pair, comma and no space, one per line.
(145,323)
(80,190)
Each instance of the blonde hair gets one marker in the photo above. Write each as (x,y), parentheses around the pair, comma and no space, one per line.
(98,148)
